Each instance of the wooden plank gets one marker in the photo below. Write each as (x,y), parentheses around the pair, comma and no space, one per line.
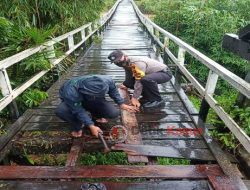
(114,171)
(167,135)
(129,121)
(56,185)
(146,117)
(171,152)
(186,143)
(225,183)
(75,152)
(154,126)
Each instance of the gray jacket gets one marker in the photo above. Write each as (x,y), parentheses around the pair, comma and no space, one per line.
(145,65)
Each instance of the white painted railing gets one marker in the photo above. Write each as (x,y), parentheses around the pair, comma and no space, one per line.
(216,71)
(6,89)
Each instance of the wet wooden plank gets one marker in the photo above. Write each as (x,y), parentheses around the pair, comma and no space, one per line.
(167,110)
(226,183)
(153,126)
(114,171)
(56,185)
(162,117)
(193,144)
(129,121)
(167,135)
(75,152)
(170,152)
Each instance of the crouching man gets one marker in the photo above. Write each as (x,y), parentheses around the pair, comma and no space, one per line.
(87,93)
(143,75)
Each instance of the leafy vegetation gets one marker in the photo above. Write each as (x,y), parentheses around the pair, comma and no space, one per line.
(28,23)
(203,24)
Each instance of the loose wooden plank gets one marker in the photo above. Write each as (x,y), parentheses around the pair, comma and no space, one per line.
(75,152)
(145,126)
(225,183)
(114,171)
(186,143)
(55,185)
(129,121)
(171,152)
(162,117)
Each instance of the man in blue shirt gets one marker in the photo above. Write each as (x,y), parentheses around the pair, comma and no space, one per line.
(87,93)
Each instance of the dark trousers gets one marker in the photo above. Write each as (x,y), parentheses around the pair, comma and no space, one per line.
(99,108)
(150,83)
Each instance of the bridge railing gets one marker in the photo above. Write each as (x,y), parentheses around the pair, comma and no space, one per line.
(10,94)
(215,71)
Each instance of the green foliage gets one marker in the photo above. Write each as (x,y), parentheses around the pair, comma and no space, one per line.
(98,158)
(33,97)
(240,115)
(36,63)
(28,23)
(203,24)
(97,39)
(172,161)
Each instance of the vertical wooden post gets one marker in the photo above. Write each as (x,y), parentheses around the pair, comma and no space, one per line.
(243,101)
(83,35)
(181,60)
(51,55)
(70,41)
(89,32)
(209,90)
(166,45)
(6,90)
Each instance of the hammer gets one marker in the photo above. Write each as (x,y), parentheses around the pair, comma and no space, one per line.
(106,148)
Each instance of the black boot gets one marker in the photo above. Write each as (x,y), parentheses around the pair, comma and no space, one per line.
(154,104)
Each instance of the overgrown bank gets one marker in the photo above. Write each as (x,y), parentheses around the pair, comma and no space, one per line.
(27,23)
(203,24)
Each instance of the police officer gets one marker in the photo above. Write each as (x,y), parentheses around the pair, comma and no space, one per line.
(143,75)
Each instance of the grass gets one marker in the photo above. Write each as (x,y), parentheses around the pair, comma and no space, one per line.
(98,158)
(172,161)
(120,158)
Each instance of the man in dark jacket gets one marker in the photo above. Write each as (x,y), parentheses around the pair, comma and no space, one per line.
(87,93)
(143,75)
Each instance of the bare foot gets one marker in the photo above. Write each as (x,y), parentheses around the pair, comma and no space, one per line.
(102,120)
(76,133)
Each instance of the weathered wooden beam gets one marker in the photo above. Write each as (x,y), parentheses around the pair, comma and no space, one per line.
(129,121)
(75,152)
(225,183)
(161,151)
(114,171)
(55,185)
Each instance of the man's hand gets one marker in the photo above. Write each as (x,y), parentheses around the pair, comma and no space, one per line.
(135,102)
(129,108)
(95,130)
(122,86)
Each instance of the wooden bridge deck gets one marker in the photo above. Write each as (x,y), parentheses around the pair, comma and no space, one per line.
(123,32)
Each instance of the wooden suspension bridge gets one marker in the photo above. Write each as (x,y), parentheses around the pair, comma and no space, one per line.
(123,27)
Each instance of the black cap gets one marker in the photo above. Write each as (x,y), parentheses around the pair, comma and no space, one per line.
(115,56)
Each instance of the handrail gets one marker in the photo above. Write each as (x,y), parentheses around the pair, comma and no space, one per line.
(6,89)
(216,70)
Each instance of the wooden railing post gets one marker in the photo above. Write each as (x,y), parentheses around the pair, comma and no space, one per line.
(83,35)
(70,41)
(51,55)
(209,90)
(166,45)
(181,60)
(6,90)
(89,32)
